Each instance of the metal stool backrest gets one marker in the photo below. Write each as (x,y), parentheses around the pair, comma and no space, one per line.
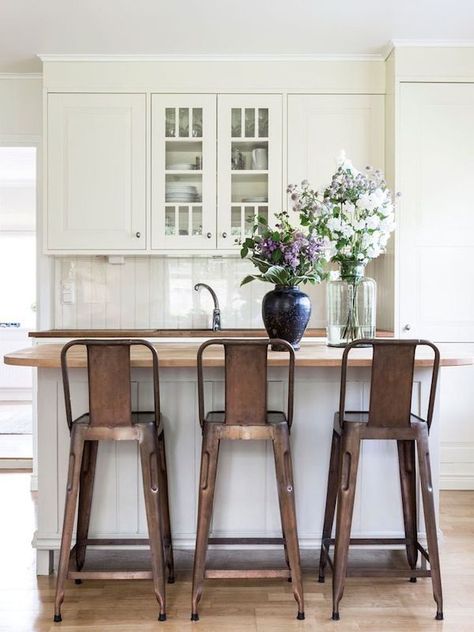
(391,387)
(108,373)
(246,380)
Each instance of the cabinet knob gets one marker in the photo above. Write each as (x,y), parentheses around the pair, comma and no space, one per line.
(138,235)
(224,234)
(407,327)
(209,235)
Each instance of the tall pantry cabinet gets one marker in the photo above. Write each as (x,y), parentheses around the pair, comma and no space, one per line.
(434,167)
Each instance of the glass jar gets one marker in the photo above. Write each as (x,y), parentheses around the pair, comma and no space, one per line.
(351,305)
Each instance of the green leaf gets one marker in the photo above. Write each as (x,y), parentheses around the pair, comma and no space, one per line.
(248,278)
(244,252)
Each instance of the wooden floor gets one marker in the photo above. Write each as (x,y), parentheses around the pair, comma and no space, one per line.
(369,605)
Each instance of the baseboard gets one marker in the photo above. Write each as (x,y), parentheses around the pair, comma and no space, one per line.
(16,464)
(457,465)
(462,482)
(24,395)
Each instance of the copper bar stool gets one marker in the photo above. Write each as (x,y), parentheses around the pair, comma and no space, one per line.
(246,417)
(389,417)
(110,418)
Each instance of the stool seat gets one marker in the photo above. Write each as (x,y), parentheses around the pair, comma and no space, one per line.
(140,417)
(273,417)
(362,417)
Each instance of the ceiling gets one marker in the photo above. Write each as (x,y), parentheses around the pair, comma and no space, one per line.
(250,27)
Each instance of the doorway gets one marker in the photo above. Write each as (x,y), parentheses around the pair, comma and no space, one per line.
(18,175)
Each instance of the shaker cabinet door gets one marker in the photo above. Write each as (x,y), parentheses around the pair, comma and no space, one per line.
(96,172)
(320,126)
(436,212)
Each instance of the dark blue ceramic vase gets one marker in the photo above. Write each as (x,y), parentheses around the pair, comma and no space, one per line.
(285,312)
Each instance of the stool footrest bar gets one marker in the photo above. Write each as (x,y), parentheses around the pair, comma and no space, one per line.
(247,574)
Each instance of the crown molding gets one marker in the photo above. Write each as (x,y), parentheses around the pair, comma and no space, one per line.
(21,75)
(423,43)
(262,57)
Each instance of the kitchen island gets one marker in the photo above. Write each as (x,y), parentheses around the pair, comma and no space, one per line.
(246,503)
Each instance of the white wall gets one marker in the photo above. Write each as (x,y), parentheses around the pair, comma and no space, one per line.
(20,107)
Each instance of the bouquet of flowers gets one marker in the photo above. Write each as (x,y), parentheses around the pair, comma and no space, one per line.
(284,255)
(354,214)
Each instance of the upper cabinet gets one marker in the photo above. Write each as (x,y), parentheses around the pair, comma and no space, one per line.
(216,166)
(96,172)
(249,163)
(320,125)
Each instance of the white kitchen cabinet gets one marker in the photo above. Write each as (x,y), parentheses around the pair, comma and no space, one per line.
(214,170)
(435,217)
(321,125)
(96,172)
(249,163)
(183,173)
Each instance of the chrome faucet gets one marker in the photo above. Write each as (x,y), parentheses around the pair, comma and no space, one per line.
(216,312)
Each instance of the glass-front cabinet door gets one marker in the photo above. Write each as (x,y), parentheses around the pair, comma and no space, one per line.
(249,164)
(183,172)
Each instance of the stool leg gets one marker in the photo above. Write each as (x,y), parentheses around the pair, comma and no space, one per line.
(406,460)
(72,489)
(331,498)
(207,483)
(284,476)
(345,506)
(165,509)
(430,517)
(86,487)
(149,453)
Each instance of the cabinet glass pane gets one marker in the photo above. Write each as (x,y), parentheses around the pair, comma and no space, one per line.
(249,122)
(249,219)
(183,155)
(263,122)
(236,122)
(197,122)
(170,122)
(170,220)
(183,122)
(196,220)
(236,221)
(183,215)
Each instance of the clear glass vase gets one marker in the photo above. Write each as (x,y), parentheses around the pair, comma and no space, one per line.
(351,304)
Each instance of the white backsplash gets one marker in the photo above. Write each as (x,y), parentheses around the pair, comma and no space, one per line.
(158,292)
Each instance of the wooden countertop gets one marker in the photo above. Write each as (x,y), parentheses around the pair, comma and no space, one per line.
(311,354)
(169,333)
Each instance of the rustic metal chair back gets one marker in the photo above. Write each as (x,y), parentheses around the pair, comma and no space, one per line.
(391,387)
(109,381)
(246,417)
(246,381)
(110,417)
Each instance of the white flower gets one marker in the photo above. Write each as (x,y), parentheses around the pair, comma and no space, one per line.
(373,221)
(348,208)
(365,202)
(373,252)
(347,230)
(386,209)
(334,224)
(344,162)
(359,224)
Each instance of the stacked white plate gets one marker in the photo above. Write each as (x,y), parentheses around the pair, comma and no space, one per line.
(177,192)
